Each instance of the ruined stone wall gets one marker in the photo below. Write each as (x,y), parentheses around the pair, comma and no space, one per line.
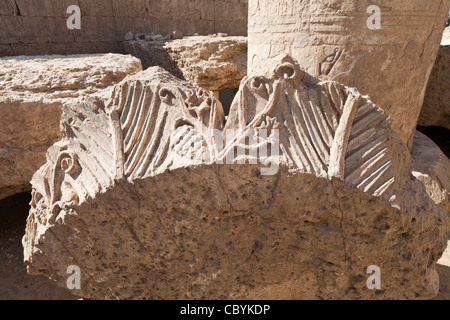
(29,27)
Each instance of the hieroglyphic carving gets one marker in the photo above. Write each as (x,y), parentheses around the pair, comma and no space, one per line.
(328,63)
(335,39)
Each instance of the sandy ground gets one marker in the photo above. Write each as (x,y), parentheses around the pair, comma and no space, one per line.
(16,284)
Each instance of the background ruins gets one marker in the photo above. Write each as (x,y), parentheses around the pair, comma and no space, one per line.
(38,27)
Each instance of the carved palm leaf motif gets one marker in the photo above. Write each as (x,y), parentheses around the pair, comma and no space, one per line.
(80,165)
(111,192)
(161,115)
(327,129)
(150,123)
(362,147)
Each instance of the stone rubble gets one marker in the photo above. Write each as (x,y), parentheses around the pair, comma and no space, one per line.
(210,62)
(174,35)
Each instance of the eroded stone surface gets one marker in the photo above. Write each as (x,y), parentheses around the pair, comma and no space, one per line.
(432,168)
(331,40)
(129,196)
(212,63)
(436,106)
(32,92)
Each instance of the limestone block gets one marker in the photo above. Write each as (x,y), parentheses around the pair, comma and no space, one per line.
(332,40)
(212,63)
(230,11)
(32,92)
(96,8)
(432,168)
(95,29)
(436,106)
(141,195)
(153,54)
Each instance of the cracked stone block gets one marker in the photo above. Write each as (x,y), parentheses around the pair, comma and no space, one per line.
(212,63)
(150,202)
(32,93)
(332,40)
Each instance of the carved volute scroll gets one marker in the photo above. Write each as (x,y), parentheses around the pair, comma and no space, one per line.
(80,165)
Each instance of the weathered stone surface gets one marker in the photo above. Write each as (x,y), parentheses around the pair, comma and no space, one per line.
(135,195)
(32,92)
(436,106)
(432,168)
(212,63)
(331,40)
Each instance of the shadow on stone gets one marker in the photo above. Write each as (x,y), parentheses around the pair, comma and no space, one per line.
(15,283)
